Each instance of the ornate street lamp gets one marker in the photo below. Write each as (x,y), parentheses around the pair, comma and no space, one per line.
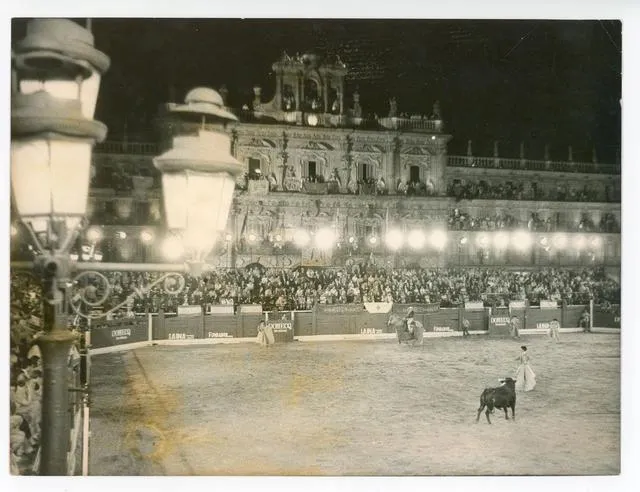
(198,176)
(55,79)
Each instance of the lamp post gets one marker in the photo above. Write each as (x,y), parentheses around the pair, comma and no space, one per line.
(55,79)
(198,175)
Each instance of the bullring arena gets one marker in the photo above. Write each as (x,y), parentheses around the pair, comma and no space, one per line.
(367,407)
(226,282)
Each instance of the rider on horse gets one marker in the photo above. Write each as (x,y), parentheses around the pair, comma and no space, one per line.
(409,321)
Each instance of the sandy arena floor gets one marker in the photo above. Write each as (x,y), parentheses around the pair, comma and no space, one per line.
(355,408)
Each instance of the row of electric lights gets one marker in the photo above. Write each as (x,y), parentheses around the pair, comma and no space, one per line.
(325,238)
(416,239)
(94,235)
(523,240)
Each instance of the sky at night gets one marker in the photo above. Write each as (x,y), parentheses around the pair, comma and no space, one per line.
(555,82)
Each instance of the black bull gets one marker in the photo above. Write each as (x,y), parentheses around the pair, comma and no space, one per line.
(503,397)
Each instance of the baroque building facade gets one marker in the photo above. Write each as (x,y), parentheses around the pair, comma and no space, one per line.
(313,161)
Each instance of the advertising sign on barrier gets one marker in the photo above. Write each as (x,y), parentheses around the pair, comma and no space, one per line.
(183,328)
(607,316)
(444,320)
(517,304)
(281,323)
(541,317)
(117,332)
(499,320)
(220,326)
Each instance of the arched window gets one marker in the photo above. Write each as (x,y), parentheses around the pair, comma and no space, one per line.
(365,172)
(254,167)
(310,170)
(414,174)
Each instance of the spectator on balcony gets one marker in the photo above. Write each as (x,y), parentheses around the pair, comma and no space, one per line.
(381,186)
(255,174)
(334,178)
(273,182)
(431,187)
(586,223)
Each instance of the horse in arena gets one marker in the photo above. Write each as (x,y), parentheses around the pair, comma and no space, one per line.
(404,335)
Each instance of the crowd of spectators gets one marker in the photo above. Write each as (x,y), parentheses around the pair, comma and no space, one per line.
(483,190)
(25,374)
(302,288)
(461,221)
(417,188)
(295,289)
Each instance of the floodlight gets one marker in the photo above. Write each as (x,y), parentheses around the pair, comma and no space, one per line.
(482,240)
(146,236)
(521,240)
(394,239)
(416,239)
(172,248)
(596,242)
(94,234)
(579,242)
(501,240)
(560,241)
(325,238)
(438,239)
(301,238)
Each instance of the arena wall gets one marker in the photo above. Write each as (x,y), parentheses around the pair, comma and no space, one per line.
(329,320)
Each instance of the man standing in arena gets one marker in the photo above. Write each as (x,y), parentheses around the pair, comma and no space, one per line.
(584,322)
(514,326)
(465,327)
(554,330)
(408,320)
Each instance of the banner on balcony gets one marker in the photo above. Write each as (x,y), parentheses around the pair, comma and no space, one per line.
(250,308)
(189,310)
(340,308)
(547,304)
(378,307)
(474,305)
(220,309)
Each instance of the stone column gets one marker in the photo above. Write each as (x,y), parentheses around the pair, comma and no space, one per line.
(325,90)
(278,99)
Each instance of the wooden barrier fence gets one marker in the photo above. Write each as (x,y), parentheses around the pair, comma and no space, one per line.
(345,319)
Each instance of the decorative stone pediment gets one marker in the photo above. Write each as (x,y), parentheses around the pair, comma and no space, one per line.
(419,151)
(261,142)
(368,148)
(408,160)
(312,145)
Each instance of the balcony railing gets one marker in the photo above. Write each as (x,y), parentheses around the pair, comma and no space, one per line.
(532,165)
(135,148)
(413,124)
